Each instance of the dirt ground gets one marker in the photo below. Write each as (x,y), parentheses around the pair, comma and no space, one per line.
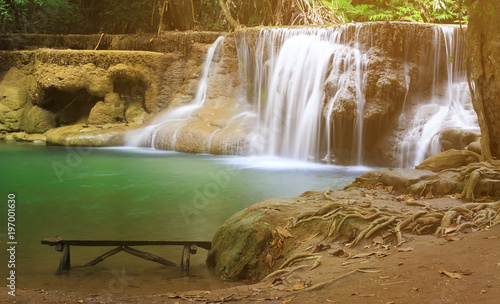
(458,268)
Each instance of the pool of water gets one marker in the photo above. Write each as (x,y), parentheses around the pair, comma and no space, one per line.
(135,194)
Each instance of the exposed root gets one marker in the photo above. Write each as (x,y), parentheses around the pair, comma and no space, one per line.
(322,284)
(440,222)
(296,258)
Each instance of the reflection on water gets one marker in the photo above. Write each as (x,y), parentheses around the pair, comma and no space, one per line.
(136,194)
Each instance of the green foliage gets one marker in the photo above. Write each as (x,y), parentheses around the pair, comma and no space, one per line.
(435,11)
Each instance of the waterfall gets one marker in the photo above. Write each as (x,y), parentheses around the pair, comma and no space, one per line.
(333,94)
(162,132)
(447,106)
(290,70)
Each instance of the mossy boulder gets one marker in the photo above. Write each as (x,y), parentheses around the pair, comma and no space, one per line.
(239,244)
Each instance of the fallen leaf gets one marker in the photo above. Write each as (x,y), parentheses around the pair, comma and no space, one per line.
(340,253)
(407,249)
(429,195)
(320,247)
(378,240)
(354,293)
(452,275)
(299,286)
(368,205)
(362,255)
(389,189)
(400,263)
(316,264)
(283,232)
(382,278)
(492,237)
(390,302)
(452,228)
(483,291)
(350,237)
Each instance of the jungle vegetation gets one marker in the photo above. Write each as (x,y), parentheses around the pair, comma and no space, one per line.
(136,16)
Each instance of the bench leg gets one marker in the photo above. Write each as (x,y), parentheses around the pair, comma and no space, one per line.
(186,257)
(65,260)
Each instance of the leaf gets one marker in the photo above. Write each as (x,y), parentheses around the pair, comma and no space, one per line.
(320,247)
(299,286)
(283,232)
(408,249)
(452,228)
(362,255)
(340,253)
(316,264)
(378,240)
(452,275)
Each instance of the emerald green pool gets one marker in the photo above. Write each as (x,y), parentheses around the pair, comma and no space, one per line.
(135,194)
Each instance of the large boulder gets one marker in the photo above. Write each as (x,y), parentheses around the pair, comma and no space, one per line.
(449,159)
(39,120)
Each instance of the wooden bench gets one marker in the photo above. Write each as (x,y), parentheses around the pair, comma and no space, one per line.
(61,245)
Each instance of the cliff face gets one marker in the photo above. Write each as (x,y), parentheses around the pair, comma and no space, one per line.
(357,100)
(48,88)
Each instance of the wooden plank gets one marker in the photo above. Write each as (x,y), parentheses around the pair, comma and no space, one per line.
(104,256)
(202,244)
(149,256)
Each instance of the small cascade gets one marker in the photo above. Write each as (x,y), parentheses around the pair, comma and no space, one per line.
(162,132)
(446,106)
(352,94)
(300,76)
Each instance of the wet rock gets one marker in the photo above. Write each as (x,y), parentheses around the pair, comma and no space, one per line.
(91,136)
(449,159)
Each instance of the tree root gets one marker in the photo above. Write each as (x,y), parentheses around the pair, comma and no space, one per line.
(322,284)
(296,258)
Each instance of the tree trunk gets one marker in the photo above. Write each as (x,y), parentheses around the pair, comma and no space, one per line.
(484,55)
(233,23)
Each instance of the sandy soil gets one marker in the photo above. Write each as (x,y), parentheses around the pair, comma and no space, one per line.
(461,268)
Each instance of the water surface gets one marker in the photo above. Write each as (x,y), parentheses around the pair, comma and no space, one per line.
(136,194)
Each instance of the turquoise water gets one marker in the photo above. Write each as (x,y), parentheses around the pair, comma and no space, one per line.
(135,194)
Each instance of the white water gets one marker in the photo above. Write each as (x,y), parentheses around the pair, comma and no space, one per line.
(290,70)
(158,133)
(448,106)
(306,90)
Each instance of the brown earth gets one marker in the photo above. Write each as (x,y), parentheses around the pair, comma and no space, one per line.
(418,271)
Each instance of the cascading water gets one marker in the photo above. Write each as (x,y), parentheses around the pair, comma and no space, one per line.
(161,133)
(447,106)
(291,68)
(327,94)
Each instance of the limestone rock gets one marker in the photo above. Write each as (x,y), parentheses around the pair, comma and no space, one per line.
(239,244)
(111,110)
(456,138)
(39,120)
(475,147)
(79,135)
(135,113)
(449,159)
